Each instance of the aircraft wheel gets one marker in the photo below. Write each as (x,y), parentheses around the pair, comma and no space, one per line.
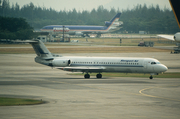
(99,76)
(86,76)
(151,77)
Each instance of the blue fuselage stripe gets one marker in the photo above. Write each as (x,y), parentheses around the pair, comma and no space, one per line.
(81,28)
(106,65)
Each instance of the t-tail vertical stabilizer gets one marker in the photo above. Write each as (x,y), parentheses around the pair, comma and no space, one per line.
(41,50)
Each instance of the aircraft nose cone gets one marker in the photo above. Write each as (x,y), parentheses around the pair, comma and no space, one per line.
(164,68)
(160,68)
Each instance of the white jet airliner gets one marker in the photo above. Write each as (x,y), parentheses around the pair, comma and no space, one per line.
(97,64)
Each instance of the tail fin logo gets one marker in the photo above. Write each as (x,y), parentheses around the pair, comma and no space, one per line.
(113,21)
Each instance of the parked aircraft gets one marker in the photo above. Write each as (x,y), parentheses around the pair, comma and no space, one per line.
(176,37)
(97,64)
(110,26)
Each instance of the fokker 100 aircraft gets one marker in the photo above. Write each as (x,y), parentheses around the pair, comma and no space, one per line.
(81,30)
(96,64)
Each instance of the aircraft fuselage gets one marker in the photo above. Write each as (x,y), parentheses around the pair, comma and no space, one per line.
(106,64)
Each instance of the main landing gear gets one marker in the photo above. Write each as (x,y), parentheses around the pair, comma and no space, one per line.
(99,76)
(151,77)
(87,76)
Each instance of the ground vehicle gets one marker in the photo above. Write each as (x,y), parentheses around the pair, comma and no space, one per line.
(146,43)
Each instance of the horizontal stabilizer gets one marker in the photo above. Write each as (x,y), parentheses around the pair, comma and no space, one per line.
(26,41)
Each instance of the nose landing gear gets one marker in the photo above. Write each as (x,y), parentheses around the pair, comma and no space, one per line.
(151,77)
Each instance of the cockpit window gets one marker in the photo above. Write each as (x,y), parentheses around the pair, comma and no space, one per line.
(155,62)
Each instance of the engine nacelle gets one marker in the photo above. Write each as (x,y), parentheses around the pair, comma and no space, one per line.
(61,62)
(177,37)
(107,23)
(116,23)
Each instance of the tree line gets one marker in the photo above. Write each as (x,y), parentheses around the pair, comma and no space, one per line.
(151,19)
(15,28)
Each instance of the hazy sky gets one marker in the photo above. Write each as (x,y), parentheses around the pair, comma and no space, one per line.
(80,5)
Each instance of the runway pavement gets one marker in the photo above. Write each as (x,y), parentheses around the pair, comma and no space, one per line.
(73,97)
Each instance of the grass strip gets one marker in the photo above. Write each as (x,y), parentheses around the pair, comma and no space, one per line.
(17,101)
(85,50)
(165,75)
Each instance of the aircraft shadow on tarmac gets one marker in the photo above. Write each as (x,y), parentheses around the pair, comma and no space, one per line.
(98,81)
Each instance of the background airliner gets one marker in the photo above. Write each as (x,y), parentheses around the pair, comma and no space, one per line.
(97,64)
(110,26)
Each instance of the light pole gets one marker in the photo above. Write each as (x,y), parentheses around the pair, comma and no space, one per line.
(63,34)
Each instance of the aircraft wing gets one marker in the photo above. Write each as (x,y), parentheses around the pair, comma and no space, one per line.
(82,69)
(169,37)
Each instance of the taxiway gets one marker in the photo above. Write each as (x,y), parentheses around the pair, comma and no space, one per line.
(73,97)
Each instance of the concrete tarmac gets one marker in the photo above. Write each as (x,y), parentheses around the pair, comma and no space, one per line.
(73,97)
